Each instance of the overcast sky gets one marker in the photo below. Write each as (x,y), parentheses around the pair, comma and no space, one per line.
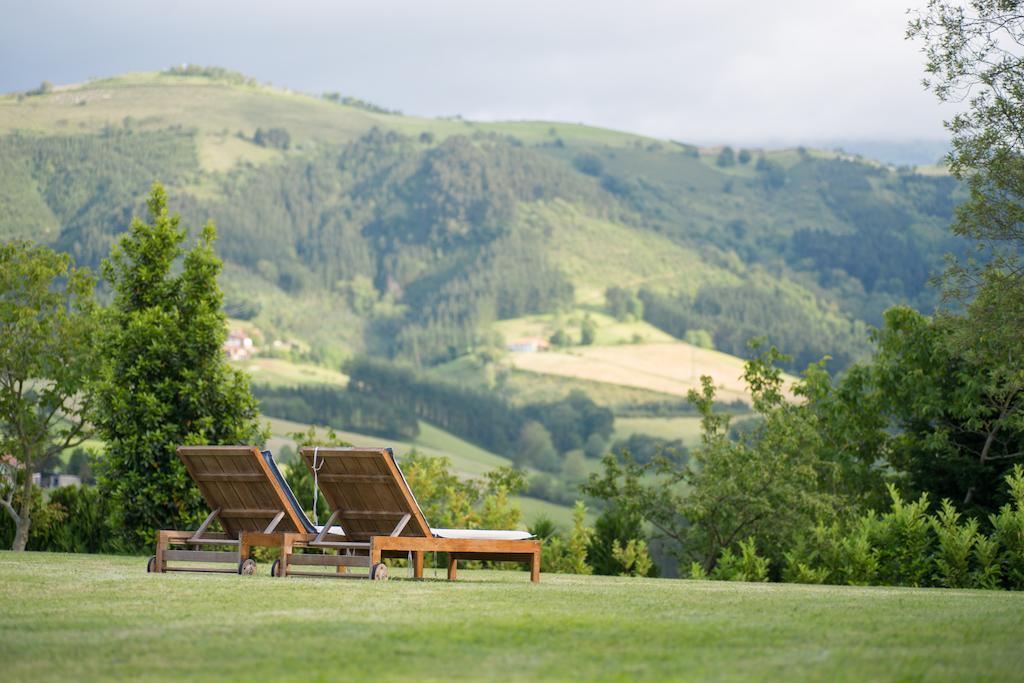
(790,71)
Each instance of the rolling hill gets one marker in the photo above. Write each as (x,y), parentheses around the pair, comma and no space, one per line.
(347,230)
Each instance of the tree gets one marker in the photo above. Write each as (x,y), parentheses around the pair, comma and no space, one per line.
(959,421)
(726,157)
(535,447)
(616,527)
(167,382)
(588,330)
(48,325)
(744,156)
(974,55)
(770,484)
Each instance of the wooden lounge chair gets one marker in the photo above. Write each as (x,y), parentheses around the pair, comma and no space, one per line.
(247,495)
(370,500)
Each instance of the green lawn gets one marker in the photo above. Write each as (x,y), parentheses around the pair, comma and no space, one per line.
(89,618)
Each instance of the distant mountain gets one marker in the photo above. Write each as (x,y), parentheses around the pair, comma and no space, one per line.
(358,230)
(897,153)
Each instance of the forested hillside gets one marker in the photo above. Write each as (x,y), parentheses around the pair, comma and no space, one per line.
(362,231)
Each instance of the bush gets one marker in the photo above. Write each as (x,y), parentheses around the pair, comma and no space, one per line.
(70,519)
(589,164)
(569,555)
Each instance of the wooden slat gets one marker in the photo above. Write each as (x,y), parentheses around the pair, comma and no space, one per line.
(453,545)
(208,570)
(354,478)
(372,514)
(329,575)
(201,555)
(238,478)
(208,541)
(250,512)
(336,544)
(494,557)
(231,477)
(330,560)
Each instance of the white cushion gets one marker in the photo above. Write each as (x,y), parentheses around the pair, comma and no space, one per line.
(482,534)
(336,530)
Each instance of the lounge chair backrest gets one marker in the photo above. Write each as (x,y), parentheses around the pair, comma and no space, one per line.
(237,481)
(367,489)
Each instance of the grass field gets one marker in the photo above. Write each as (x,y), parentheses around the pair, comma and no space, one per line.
(686,428)
(88,618)
(668,367)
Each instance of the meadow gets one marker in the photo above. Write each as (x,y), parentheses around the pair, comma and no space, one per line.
(68,617)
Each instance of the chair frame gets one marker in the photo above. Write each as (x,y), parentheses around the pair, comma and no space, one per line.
(241,542)
(410,537)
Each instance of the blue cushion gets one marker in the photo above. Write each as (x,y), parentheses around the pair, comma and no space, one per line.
(269,459)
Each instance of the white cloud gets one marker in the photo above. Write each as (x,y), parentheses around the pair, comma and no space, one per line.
(733,71)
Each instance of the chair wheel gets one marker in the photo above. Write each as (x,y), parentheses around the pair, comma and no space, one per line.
(151,565)
(379,572)
(275,568)
(247,567)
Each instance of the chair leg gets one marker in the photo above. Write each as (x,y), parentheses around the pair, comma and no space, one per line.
(535,567)
(417,564)
(286,552)
(452,567)
(162,544)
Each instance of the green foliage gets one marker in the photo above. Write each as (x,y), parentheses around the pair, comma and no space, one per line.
(645,448)
(560,339)
(298,476)
(484,418)
(589,164)
(44,515)
(734,314)
(955,545)
(572,420)
(535,448)
(1008,530)
(972,54)
(48,361)
(275,138)
(355,102)
(588,331)
(569,555)
(166,381)
(450,502)
(908,546)
(617,546)
(216,73)
(633,557)
(699,338)
(726,157)
(83,522)
(747,566)
(905,542)
(339,408)
(623,304)
(958,414)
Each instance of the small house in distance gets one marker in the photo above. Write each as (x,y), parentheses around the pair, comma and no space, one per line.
(239,346)
(54,480)
(528,345)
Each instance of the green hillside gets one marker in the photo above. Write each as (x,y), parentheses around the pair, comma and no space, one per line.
(351,232)
(363,231)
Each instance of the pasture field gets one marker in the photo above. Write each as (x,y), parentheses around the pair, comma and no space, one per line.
(669,367)
(280,372)
(89,618)
(686,428)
